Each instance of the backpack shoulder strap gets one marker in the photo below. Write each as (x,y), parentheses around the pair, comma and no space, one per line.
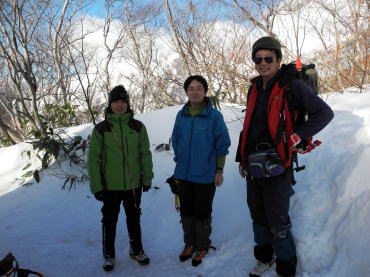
(250,88)
(288,92)
(102,127)
(135,125)
(286,80)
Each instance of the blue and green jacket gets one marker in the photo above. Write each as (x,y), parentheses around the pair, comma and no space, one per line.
(198,142)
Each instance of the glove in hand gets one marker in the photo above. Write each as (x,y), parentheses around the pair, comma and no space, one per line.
(99,195)
(146,188)
(173,184)
(303,146)
(308,146)
(243,171)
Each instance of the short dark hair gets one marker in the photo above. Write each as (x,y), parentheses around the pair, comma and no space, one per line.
(197,78)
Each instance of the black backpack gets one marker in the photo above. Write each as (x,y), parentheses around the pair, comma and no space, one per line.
(305,72)
(10,267)
(308,74)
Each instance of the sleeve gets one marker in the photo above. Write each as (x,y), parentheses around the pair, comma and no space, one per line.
(146,163)
(238,156)
(220,164)
(319,113)
(222,138)
(94,161)
(175,136)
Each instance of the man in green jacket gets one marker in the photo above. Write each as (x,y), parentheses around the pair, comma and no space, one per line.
(120,167)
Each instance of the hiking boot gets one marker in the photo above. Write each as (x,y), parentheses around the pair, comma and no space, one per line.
(140,257)
(286,268)
(109,263)
(260,268)
(187,253)
(199,255)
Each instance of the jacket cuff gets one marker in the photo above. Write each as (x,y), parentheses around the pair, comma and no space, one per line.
(243,164)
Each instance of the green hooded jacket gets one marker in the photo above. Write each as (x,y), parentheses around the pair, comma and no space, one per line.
(107,166)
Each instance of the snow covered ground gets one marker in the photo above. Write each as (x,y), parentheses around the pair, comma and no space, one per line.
(58,232)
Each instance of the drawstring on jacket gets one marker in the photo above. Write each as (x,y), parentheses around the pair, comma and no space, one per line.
(123,150)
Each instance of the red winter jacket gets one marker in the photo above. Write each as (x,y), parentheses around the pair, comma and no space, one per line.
(280,123)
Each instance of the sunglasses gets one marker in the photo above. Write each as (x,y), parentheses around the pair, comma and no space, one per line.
(258,60)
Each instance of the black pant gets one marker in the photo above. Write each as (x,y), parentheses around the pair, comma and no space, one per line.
(268,202)
(196,208)
(196,199)
(110,210)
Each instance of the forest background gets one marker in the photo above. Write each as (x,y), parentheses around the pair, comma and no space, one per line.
(58,63)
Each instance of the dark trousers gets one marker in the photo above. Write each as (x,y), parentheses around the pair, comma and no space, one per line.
(196,208)
(110,210)
(268,201)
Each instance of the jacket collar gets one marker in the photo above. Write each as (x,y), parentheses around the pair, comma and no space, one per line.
(118,117)
(204,112)
(258,82)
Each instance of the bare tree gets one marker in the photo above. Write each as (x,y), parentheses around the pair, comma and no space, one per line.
(343,31)
(141,51)
(112,42)
(85,69)
(48,59)
(18,46)
(58,54)
(177,36)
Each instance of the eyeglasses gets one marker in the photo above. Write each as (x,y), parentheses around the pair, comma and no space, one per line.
(258,60)
(195,89)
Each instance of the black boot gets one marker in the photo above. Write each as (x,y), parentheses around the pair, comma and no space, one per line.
(109,263)
(265,260)
(140,257)
(286,268)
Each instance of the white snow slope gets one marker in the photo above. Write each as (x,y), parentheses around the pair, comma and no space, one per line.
(58,232)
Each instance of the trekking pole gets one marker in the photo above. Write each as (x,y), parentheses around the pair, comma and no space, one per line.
(177,203)
(125,157)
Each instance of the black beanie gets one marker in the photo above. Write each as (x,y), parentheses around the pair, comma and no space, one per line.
(269,43)
(118,93)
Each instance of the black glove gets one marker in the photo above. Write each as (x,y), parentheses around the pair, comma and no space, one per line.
(146,188)
(173,184)
(99,195)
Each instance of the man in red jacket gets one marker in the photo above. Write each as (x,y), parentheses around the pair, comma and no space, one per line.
(266,145)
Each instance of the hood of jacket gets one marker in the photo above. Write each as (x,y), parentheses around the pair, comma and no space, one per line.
(204,112)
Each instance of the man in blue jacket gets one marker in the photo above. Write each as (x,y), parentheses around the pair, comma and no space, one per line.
(270,132)
(200,141)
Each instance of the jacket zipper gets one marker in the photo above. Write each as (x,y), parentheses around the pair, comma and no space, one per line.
(191,136)
(123,158)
